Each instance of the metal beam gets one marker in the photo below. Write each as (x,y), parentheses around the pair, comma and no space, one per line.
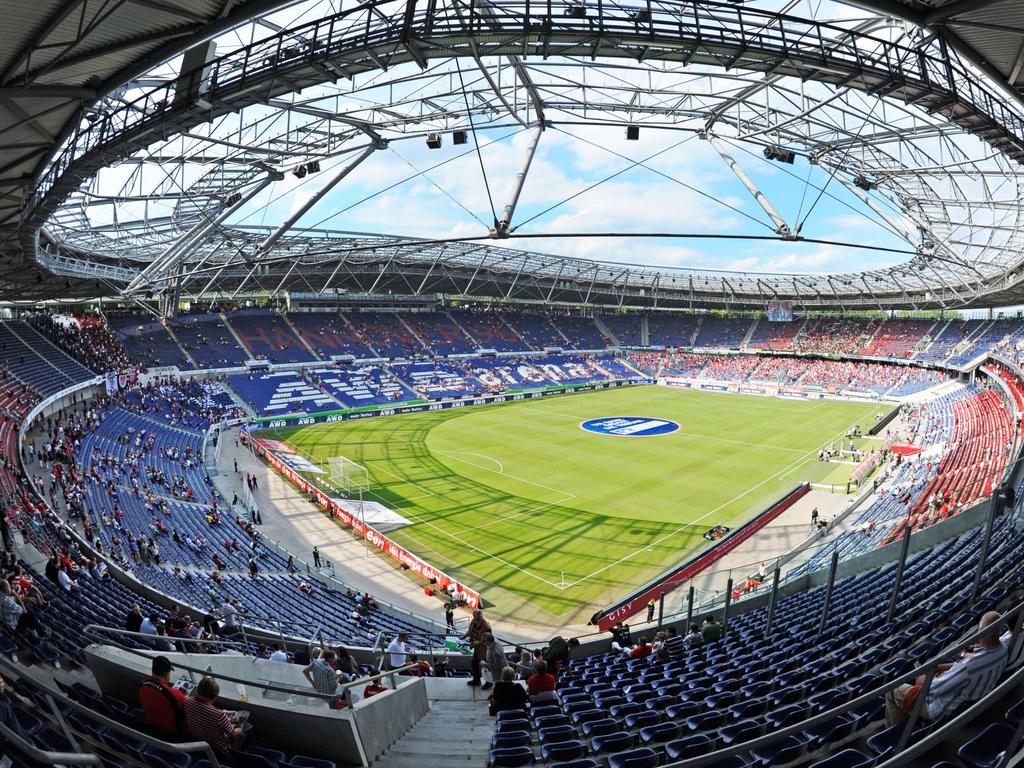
(501,227)
(287,224)
(781,227)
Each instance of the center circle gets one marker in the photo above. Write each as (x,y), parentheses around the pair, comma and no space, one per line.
(629,426)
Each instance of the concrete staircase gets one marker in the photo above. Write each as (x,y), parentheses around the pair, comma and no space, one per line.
(455,732)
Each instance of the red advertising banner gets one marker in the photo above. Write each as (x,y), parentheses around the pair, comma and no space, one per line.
(372,536)
(638,600)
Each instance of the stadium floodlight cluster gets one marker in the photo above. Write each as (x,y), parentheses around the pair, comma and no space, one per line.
(911,131)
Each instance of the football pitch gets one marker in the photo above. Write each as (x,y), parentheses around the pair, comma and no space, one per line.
(550,522)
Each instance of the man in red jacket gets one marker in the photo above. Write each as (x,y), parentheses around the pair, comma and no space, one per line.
(162,703)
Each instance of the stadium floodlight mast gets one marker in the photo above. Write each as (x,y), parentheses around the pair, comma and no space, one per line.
(351,478)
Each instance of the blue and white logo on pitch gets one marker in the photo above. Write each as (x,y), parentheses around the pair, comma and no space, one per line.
(629,426)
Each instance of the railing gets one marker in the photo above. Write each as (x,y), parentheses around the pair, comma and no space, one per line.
(902,755)
(200,748)
(101,634)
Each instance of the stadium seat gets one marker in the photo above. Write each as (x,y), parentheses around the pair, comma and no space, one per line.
(612,742)
(848,758)
(737,733)
(514,757)
(563,752)
(832,730)
(988,748)
(660,733)
(601,727)
(778,752)
(636,758)
(510,739)
(557,734)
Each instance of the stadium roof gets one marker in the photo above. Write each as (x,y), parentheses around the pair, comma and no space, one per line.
(57,58)
(916,124)
(989,33)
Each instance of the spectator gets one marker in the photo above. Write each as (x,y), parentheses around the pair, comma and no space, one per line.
(133,622)
(205,721)
(508,694)
(16,615)
(711,630)
(277,653)
(541,685)
(478,627)
(162,704)
(65,581)
(150,626)
(346,664)
(494,659)
(556,655)
(970,677)
(694,638)
(321,673)
(7,716)
(397,651)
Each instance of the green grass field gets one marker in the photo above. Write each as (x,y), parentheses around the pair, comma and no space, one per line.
(550,522)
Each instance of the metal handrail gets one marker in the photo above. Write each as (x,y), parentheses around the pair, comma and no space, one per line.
(94,632)
(927,669)
(89,758)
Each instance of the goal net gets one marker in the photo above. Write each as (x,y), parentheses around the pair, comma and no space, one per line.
(347,476)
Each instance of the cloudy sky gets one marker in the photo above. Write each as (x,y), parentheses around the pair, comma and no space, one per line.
(588,181)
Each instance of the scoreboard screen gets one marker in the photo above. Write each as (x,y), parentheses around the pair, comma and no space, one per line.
(780,311)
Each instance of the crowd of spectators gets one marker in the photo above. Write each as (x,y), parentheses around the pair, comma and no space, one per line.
(85,337)
(829,375)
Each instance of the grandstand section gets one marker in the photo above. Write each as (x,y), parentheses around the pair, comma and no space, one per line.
(497,384)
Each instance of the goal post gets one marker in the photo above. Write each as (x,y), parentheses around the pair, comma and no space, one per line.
(348,476)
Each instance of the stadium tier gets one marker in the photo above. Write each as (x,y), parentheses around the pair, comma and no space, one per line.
(208,341)
(268,336)
(129,472)
(827,375)
(439,333)
(489,330)
(328,334)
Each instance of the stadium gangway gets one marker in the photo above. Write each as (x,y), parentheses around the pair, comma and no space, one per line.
(903,752)
(12,670)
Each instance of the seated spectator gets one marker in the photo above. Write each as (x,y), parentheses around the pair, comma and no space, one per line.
(7,716)
(710,630)
(162,704)
(205,721)
(541,685)
(16,615)
(966,680)
(508,694)
(277,653)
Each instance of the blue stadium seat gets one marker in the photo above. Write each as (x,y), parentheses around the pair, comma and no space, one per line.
(848,758)
(988,748)
(514,757)
(563,752)
(660,733)
(636,758)
(612,742)
(510,739)
(778,752)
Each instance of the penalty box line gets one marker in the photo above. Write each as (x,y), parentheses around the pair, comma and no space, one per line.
(789,469)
